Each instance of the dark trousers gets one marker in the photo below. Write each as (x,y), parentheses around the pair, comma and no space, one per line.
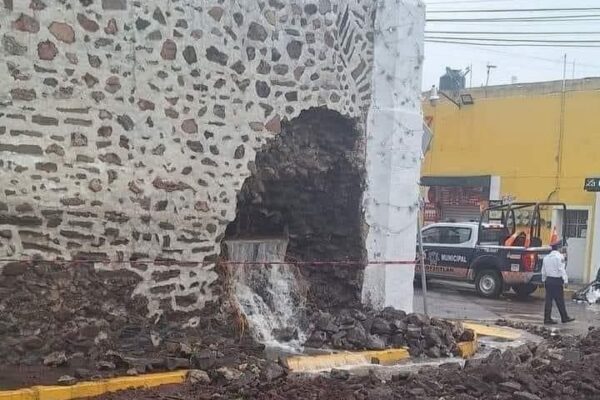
(554,292)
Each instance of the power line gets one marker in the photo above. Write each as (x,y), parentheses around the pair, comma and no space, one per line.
(511,40)
(529,56)
(516,10)
(509,44)
(569,18)
(556,25)
(433,3)
(512,33)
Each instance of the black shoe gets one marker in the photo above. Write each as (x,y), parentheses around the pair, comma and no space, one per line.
(569,319)
(550,322)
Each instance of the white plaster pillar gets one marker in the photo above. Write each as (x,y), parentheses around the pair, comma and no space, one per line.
(595,238)
(495,188)
(394,136)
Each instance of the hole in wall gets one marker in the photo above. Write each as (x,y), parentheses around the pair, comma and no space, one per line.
(307,185)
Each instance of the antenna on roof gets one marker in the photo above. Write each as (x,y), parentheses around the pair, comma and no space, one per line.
(489,68)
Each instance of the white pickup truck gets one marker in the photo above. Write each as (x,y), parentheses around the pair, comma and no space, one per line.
(477,252)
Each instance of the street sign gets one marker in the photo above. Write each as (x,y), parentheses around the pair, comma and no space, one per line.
(592,185)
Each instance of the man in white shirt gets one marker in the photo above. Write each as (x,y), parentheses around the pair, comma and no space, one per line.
(554,275)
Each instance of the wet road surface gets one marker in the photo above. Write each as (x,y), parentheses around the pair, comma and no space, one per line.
(455,300)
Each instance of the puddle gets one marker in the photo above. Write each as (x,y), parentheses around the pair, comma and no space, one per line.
(275,352)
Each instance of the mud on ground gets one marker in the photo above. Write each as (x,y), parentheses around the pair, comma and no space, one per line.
(563,368)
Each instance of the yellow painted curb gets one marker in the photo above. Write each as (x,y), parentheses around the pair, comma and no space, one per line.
(328,361)
(494,331)
(96,388)
(468,349)
(388,357)
(295,364)
(23,394)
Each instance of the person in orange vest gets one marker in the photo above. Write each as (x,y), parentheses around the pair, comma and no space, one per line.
(516,238)
(554,236)
(554,276)
(511,239)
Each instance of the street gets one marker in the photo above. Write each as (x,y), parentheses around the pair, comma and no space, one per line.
(456,300)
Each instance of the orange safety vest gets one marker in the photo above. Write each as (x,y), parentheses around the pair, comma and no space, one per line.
(554,236)
(511,239)
(527,239)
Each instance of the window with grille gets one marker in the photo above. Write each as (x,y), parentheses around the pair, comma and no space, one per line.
(577,223)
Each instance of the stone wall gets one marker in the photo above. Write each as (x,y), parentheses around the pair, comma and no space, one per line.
(127,128)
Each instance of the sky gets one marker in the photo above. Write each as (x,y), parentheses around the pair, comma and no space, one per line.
(513,64)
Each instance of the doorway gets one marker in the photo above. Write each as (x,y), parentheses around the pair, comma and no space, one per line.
(577,223)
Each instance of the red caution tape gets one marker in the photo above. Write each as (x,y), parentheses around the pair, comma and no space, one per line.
(193,262)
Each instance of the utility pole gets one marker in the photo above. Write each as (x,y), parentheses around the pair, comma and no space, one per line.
(561,128)
(489,68)
(564,85)
(422,257)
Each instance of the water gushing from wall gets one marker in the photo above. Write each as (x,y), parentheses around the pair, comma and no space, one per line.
(270,295)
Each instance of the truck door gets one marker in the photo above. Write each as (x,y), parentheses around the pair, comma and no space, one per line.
(448,250)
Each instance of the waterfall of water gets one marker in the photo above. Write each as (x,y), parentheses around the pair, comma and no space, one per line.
(270,295)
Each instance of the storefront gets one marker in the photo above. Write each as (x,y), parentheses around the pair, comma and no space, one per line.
(457,198)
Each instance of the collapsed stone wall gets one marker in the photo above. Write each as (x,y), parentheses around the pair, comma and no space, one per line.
(307,185)
(127,129)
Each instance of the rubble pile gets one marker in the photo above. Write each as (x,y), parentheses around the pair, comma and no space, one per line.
(529,372)
(114,363)
(67,368)
(101,312)
(353,329)
(221,356)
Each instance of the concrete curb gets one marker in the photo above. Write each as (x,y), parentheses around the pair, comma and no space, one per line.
(295,364)
(493,331)
(356,358)
(468,349)
(96,388)
(327,361)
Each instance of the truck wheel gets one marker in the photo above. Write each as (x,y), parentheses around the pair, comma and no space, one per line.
(488,283)
(525,289)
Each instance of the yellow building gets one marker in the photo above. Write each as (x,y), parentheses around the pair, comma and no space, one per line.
(527,142)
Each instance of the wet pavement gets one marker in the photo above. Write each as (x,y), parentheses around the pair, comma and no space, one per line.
(455,300)
(486,345)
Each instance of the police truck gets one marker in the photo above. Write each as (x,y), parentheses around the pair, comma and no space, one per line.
(495,254)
